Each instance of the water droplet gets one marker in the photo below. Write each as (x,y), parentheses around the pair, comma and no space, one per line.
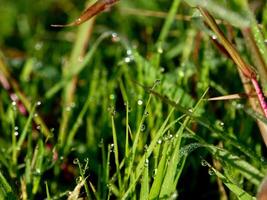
(146,163)
(140,102)
(143,127)
(181,74)
(146,113)
(68,108)
(52,130)
(75,161)
(162,69)
(160,50)
(38,127)
(127,59)
(14,103)
(239,106)
(38,46)
(115,37)
(16,133)
(78,179)
(159,141)
(211,172)
(221,124)
(111,148)
(112,96)
(129,52)
(145,148)
(16,128)
(190,110)
(35,115)
(38,103)
(214,37)
(204,163)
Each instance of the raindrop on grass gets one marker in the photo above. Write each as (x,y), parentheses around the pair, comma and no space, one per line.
(16,128)
(211,172)
(128,59)
(38,103)
(204,163)
(160,50)
(112,96)
(146,163)
(115,37)
(129,52)
(140,102)
(159,141)
(79,179)
(146,113)
(14,103)
(143,127)
(75,161)
(16,133)
(38,127)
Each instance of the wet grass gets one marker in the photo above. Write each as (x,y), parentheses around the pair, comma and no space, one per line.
(117,108)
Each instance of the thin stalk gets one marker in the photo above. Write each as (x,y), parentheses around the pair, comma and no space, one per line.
(241,64)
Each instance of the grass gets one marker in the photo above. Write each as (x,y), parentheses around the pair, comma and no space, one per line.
(118,107)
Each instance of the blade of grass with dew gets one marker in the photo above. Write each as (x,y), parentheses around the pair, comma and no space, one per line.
(239,192)
(149,151)
(26,127)
(135,143)
(38,166)
(169,182)
(116,153)
(252,174)
(145,183)
(160,172)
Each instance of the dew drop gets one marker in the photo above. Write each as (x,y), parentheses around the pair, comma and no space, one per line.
(143,127)
(204,163)
(146,113)
(35,115)
(140,102)
(190,110)
(79,179)
(211,172)
(16,128)
(14,103)
(16,133)
(38,127)
(38,103)
(146,163)
(75,161)
(160,50)
(159,141)
(115,37)
(129,52)
(38,46)
(112,96)
(162,69)
(127,59)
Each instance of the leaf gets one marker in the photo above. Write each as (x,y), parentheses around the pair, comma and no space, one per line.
(90,12)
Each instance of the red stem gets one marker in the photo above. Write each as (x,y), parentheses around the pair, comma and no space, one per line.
(260,95)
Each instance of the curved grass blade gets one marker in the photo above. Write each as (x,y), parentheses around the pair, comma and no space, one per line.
(90,12)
